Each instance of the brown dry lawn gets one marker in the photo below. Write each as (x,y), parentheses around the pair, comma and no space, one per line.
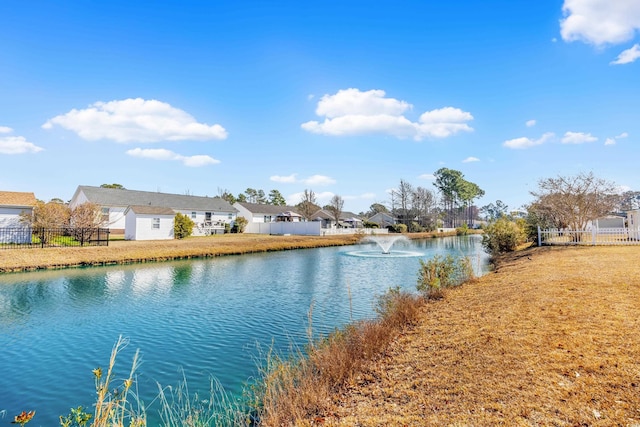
(122,252)
(551,338)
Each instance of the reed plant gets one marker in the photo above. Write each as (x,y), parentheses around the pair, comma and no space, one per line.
(180,408)
(116,404)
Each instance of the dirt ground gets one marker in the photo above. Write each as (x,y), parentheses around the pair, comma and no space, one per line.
(550,338)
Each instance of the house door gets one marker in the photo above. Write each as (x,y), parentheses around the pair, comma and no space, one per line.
(207,218)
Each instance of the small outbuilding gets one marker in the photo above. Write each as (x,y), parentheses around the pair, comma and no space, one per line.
(14,205)
(149,223)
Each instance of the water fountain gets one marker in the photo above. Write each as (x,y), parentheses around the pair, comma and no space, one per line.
(385,244)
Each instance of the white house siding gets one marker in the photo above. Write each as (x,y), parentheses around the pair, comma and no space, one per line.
(140,227)
(633,223)
(10,217)
(117,219)
(15,231)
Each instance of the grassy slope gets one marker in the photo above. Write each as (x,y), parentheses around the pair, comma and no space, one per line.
(159,250)
(550,338)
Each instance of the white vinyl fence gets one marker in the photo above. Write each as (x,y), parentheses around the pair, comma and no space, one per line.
(594,236)
(311,228)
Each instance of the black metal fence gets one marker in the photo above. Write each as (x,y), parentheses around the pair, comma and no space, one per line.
(31,237)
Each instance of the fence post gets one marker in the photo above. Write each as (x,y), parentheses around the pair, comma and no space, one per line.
(539,237)
(594,235)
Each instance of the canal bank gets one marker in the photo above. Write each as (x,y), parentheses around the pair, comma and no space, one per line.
(126,252)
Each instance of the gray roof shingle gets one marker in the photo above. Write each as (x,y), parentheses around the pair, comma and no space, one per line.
(122,197)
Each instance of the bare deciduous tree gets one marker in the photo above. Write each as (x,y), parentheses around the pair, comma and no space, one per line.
(84,220)
(575,200)
(47,215)
(335,207)
(307,206)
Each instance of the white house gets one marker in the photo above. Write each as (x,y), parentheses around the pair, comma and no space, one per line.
(148,223)
(210,214)
(12,205)
(633,223)
(262,213)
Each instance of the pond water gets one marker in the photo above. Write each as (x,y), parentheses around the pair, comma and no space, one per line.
(199,318)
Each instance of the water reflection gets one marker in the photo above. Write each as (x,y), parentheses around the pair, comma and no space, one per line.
(206,317)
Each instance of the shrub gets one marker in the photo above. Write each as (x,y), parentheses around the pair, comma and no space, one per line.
(503,235)
(182,226)
(463,230)
(397,228)
(240,225)
(368,224)
(414,227)
(442,272)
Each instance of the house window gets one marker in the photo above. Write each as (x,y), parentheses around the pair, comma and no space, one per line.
(267,218)
(193,215)
(104,215)
(230,216)
(155,223)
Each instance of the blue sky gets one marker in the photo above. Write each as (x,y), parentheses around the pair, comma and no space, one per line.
(339,97)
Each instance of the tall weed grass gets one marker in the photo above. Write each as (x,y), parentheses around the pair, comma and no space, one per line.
(297,389)
(442,272)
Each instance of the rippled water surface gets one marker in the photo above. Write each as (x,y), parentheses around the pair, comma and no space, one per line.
(206,318)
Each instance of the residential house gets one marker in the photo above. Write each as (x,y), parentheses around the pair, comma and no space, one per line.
(210,214)
(12,205)
(346,220)
(262,213)
(149,223)
(383,219)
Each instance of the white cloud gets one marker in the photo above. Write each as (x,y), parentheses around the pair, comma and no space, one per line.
(578,138)
(284,179)
(163,154)
(524,142)
(354,112)
(17,145)
(136,120)
(470,160)
(612,141)
(443,123)
(600,22)
(530,123)
(355,102)
(319,180)
(428,176)
(628,56)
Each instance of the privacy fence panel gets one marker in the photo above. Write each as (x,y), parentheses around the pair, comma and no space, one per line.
(30,237)
(592,237)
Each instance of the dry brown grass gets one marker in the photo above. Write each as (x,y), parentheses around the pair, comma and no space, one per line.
(300,390)
(551,338)
(120,252)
